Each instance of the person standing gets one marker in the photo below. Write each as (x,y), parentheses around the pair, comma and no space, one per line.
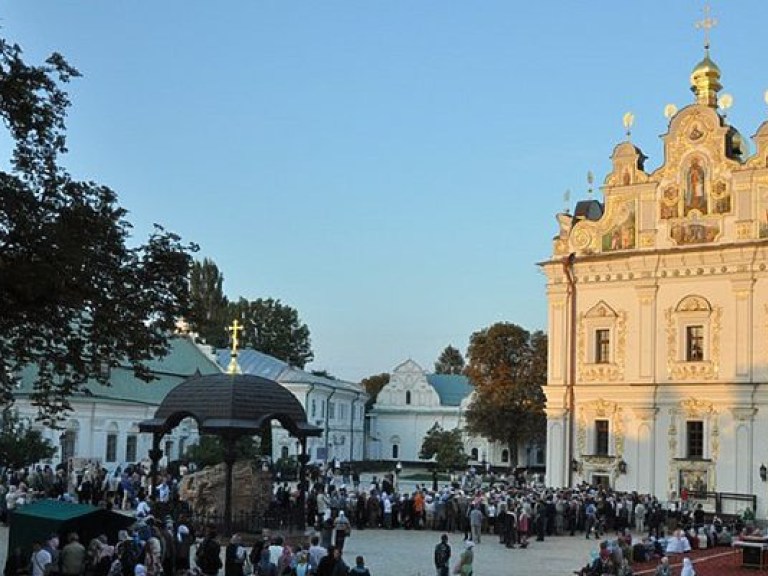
(73,556)
(341,528)
(464,567)
(476,523)
(235,556)
(442,556)
(208,553)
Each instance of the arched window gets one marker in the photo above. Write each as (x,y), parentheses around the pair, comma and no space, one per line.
(407,396)
(505,455)
(473,455)
(284,452)
(395,451)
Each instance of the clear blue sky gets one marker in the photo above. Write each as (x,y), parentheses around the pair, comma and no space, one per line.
(389,168)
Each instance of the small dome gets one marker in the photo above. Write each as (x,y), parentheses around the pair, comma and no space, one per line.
(706,66)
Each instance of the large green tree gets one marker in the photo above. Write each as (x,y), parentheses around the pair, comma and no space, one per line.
(76,292)
(273,328)
(20,445)
(450,361)
(373,385)
(508,367)
(445,446)
(208,314)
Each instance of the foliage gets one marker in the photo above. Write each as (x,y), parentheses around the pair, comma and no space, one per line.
(445,446)
(208,314)
(450,361)
(373,385)
(508,367)
(273,328)
(73,296)
(209,451)
(20,446)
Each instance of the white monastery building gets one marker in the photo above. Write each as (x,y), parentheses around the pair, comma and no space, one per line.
(658,316)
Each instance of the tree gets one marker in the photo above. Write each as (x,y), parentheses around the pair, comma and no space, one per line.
(208,314)
(20,446)
(373,385)
(450,361)
(209,451)
(275,329)
(445,446)
(73,296)
(508,367)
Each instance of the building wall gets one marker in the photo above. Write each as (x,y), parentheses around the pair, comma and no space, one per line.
(648,294)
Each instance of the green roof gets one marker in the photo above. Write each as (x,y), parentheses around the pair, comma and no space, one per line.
(55,510)
(185,359)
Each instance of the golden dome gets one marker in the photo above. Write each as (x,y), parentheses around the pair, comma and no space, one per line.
(705,82)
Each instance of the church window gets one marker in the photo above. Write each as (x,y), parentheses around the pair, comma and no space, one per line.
(342,412)
(111,455)
(694,343)
(395,451)
(182,446)
(313,408)
(602,429)
(407,396)
(131,444)
(169,450)
(331,410)
(505,456)
(284,452)
(602,346)
(694,430)
(474,455)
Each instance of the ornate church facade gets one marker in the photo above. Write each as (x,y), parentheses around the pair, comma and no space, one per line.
(658,316)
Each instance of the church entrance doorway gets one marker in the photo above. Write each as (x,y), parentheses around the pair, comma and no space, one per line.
(601,480)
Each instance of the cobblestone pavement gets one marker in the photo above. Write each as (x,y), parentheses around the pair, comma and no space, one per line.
(409,553)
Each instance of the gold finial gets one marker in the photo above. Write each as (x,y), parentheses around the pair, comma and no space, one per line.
(706,24)
(590,181)
(567,201)
(234,329)
(725,102)
(669,111)
(628,120)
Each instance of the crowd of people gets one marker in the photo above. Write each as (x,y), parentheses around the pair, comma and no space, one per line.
(513,511)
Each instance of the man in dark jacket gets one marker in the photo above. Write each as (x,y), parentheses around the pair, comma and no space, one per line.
(442,556)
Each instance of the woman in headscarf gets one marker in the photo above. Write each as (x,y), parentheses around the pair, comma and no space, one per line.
(687,568)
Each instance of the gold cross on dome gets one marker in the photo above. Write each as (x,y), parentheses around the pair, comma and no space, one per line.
(234,329)
(706,24)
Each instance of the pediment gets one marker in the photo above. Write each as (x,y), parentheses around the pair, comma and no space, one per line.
(601,310)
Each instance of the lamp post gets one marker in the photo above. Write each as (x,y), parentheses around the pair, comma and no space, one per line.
(398,469)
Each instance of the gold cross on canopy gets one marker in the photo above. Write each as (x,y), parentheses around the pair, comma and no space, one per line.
(234,329)
(706,24)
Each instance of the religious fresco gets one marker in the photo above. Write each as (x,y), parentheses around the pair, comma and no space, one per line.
(721,198)
(622,235)
(694,231)
(695,195)
(669,203)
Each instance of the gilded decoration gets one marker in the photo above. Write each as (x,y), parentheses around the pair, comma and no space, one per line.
(622,235)
(602,316)
(679,369)
(744,230)
(647,239)
(687,472)
(603,410)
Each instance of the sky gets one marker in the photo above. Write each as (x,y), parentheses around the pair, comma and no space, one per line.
(391,169)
